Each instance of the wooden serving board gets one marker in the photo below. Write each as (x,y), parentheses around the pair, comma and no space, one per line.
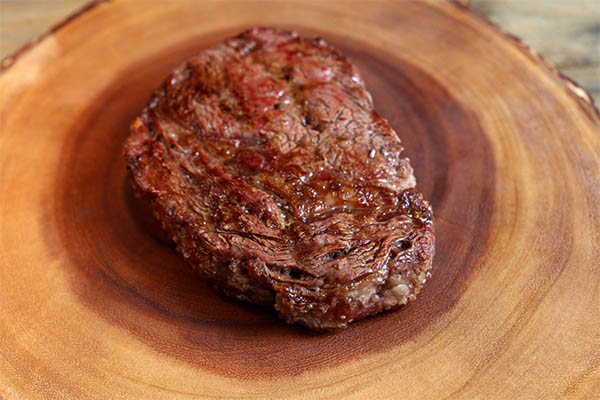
(507,149)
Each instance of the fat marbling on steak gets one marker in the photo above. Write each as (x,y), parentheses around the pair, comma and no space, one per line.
(264,160)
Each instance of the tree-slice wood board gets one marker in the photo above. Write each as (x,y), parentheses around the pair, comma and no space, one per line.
(92,306)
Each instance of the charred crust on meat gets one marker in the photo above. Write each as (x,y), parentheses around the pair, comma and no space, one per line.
(265,162)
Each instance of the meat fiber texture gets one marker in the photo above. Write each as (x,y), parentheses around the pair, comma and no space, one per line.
(265,162)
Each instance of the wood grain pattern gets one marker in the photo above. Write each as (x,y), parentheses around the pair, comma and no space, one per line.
(566,33)
(93,306)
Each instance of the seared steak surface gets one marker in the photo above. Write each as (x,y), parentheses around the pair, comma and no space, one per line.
(264,160)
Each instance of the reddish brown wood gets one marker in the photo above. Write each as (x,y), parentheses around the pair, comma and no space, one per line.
(94,306)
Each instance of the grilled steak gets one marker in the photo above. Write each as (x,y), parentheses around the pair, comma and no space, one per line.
(265,162)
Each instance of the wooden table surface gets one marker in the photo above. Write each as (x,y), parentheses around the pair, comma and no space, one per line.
(565,32)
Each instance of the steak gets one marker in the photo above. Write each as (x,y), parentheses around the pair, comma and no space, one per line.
(265,162)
